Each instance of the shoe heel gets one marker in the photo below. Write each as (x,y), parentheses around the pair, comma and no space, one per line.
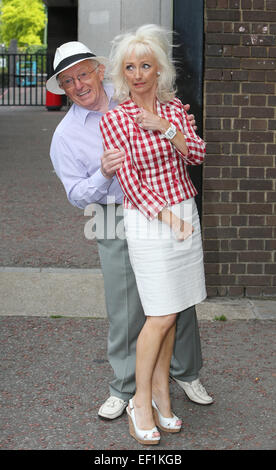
(135,435)
(168,425)
(131,427)
(157,422)
(156,418)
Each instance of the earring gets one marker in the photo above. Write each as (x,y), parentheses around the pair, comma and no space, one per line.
(158,74)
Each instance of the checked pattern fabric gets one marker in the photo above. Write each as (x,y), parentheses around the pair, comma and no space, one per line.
(154,173)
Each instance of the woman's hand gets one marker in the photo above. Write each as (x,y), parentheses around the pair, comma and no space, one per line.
(149,121)
(152,122)
(181,228)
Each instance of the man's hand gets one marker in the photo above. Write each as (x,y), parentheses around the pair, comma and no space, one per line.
(191,117)
(111,161)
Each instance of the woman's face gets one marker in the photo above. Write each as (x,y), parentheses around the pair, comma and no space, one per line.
(140,74)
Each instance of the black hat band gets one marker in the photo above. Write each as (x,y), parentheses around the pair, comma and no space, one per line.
(73,58)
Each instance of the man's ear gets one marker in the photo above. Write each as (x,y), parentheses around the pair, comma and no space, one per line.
(101,70)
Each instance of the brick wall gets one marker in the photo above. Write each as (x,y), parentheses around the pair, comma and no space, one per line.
(239,197)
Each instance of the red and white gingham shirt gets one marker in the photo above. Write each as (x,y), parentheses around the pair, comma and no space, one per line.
(153,174)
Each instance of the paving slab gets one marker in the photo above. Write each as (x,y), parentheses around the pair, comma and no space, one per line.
(46,292)
(80,293)
(265,309)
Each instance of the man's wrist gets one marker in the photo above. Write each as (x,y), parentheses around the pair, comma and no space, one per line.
(105,174)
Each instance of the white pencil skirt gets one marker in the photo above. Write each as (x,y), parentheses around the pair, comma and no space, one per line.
(169,274)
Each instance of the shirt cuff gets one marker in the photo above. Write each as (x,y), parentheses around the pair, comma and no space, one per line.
(99,181)
(152,211)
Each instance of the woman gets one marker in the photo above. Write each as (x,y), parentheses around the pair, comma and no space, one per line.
(151,126)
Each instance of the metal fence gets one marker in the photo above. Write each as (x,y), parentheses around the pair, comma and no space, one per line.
(22,79)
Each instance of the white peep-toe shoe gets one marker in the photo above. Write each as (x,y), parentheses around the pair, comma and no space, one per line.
(166,424)
(143,436)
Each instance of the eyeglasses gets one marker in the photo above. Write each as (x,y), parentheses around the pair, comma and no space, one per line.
(69,82)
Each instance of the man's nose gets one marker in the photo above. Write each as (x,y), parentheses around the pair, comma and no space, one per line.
(78,83)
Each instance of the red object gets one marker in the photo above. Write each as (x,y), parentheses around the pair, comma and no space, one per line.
(53,102)
(150,181)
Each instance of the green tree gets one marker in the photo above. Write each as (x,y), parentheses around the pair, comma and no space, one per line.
(23,20)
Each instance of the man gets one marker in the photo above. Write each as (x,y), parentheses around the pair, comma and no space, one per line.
(88,175)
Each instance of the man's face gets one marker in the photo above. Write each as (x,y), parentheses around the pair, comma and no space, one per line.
(86,88)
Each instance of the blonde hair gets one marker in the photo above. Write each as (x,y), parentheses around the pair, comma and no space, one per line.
(147,39)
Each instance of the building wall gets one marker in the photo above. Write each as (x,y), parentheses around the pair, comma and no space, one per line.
(239,220)
(101,20)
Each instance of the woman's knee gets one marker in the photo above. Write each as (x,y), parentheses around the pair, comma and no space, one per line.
(164,322)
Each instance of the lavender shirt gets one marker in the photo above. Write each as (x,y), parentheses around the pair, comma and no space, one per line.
(76,151)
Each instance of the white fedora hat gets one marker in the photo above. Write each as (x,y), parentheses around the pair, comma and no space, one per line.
(69,54)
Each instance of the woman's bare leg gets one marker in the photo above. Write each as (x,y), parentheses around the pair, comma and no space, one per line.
(149,345)
(160,379)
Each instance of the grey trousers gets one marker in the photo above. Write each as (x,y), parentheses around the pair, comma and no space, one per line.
(126,319)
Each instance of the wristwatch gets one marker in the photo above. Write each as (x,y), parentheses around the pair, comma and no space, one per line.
(170,132)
